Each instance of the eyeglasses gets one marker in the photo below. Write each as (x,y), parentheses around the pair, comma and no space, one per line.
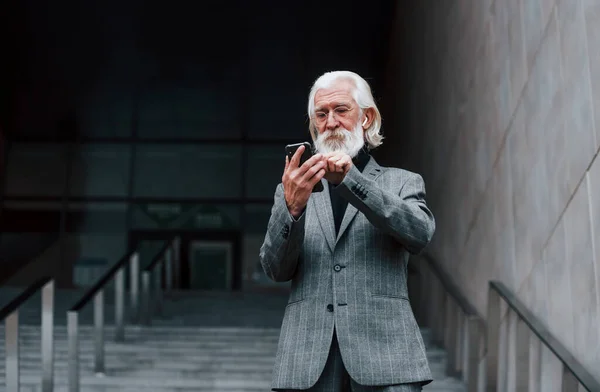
(339,113)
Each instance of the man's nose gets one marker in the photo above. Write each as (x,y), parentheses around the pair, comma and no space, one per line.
(332,122)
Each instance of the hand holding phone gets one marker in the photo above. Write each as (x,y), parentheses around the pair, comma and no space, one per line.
(291,149)
(302,176)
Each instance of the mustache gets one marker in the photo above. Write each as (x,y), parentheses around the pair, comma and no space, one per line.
(337,133)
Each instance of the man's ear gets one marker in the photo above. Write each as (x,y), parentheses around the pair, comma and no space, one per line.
(369,117)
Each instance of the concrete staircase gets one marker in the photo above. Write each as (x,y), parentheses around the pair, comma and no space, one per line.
(201,342)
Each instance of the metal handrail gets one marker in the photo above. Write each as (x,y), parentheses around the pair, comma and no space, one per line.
(10,315)
(454,322)
(103,281)
(162,260)
(96,292)
(15,266)
(480,350)
(505,339)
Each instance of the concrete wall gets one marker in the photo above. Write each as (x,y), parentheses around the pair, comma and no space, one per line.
(502,119)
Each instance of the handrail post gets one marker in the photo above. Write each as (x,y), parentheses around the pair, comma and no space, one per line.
(459,321)
(441,312)
(482,361)
(431,287)
(119,305)
(47,337)
(493,335)
(470,353)
(73,336)
(425,302)
(146,298)
(535,363)
(169,270)
(569,382)
(450,335)
(12,351)
(134,289)
(158,288)
(502,345)
(435,309)
(521,367)
(99,333)
(512,352)
(177,263)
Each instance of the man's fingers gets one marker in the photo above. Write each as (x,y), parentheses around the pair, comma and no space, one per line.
(345,163)
(331,163)
(342,163)
(296,156)
(310,173)
(336,163)
(311,162)
(317,177)
(333,154)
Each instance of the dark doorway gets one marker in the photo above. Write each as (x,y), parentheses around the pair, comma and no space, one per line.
(210,260)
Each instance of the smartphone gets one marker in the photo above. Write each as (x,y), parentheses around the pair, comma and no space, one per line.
(290,150)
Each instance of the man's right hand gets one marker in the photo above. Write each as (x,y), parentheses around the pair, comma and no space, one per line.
(298,181)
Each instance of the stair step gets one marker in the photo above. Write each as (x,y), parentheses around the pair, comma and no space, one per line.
(87,347)
(126,370)
(149,372)
(243,366)
(217,342)
(170,329)
(216,383)
(86,388)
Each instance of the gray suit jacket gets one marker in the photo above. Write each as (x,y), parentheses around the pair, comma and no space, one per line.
(355,282)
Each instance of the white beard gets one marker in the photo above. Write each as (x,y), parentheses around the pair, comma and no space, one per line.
(341,140)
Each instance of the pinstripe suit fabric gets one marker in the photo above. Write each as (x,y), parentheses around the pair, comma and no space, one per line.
(335,378)
(379,340)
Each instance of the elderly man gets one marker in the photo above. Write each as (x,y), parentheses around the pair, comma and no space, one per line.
(348,324)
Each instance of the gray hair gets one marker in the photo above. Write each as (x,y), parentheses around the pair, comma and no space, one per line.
(361,94)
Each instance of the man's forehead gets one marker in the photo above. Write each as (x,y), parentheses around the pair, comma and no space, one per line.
(339,92)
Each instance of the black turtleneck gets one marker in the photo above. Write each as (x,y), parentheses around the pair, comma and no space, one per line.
(338,203)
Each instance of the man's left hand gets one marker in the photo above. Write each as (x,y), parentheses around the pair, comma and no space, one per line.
(338,164)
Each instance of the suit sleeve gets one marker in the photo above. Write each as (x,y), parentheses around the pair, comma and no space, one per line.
(403,215)
(283,241)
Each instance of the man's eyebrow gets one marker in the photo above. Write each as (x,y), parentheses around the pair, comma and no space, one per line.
(335,105)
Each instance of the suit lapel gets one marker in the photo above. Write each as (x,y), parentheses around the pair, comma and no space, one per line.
(348,216)
(322,204)
(372,171)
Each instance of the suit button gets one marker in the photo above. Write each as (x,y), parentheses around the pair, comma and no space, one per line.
(337,268)
(330,308)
